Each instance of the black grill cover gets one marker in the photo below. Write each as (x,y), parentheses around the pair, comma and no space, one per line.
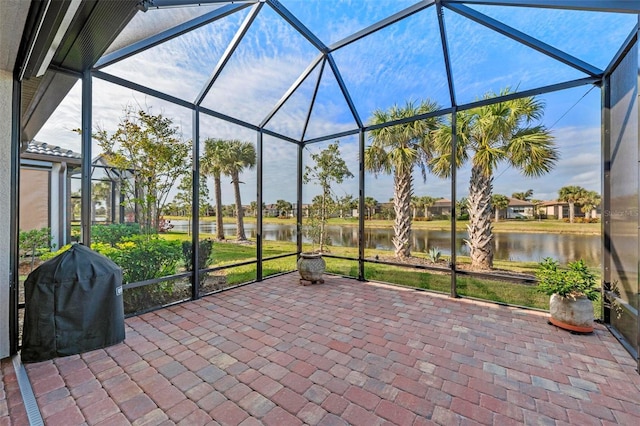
(73,304)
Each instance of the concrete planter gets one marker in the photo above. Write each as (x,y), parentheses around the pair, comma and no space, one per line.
(311,266)
(573,314)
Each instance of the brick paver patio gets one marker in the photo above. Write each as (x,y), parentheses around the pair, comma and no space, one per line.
(343,352)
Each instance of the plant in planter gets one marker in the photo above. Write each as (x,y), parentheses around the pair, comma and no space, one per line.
(329,168)
(572,291)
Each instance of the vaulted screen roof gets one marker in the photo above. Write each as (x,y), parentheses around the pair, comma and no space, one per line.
(314,69)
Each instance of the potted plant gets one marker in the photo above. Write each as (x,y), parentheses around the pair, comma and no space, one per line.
(329,167)
(572,291)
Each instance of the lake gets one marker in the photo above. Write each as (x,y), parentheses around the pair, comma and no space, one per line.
(525,247)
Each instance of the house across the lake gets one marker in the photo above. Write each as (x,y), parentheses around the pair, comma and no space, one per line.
(560,210)
(517,209)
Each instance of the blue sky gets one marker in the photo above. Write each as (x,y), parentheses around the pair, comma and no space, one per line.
(401,62)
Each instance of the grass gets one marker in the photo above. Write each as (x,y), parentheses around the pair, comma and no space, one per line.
(521,226)
(500,291)
(227,253)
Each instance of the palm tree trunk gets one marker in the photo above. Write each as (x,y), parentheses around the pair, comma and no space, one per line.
(219,225)
(480,240)
(572,211)
(240,235)
(497,212)
(402,208)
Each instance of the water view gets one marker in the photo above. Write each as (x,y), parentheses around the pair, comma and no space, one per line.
(523,247)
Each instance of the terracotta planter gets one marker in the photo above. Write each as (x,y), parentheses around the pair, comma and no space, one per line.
(573,314)
(311,266)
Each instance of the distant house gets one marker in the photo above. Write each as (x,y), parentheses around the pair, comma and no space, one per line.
(270,210)
(45,189)
(517,209)
(554,209)
(559,210)
(441,207)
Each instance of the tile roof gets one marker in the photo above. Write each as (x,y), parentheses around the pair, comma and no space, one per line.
(42,148)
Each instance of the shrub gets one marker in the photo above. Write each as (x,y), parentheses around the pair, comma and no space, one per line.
(434,254)
(114,233)
(51,254)
(203,255)
(34,243)
(142,258)
(574,281)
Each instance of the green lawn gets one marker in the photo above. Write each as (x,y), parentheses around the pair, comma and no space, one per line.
(226,253)
(533,226)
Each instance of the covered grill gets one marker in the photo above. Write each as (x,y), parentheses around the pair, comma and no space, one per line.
(73,304)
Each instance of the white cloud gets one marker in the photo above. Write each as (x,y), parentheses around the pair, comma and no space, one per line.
(404,62)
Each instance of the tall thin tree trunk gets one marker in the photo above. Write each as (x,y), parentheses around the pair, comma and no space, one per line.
(323,220)
(572,211)
(480,240)
(218,195)
(240,235)
(402,208)
(497,212)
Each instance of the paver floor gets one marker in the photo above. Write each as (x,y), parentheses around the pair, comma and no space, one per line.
(343,352)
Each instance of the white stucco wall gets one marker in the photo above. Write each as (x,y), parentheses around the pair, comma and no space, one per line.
(6,84)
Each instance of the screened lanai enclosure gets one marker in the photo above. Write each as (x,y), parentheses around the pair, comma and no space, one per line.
(283,81)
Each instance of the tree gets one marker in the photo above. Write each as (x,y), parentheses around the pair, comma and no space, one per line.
(329,168)
(462,208)
(254,208)
(397,150)
(590,201)
(425,203)
(524,196)
(185,200)
(490,135)
(499,202)
(151,148)
(238,155)
(101,192)
(211,164)
(370,204)
(415,205)
(536,208)
(33,242)
(283,206)
(347,203)
(571,194)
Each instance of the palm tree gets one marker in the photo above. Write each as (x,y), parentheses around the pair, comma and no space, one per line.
(490,135)
(212,162)
(101,191)
(238,155)
(284,206)
(589,201)
(370,203)
(397,150)
(415,205)
(524,196)
(571,194)
(427,202)
(462,207)
(499,202)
